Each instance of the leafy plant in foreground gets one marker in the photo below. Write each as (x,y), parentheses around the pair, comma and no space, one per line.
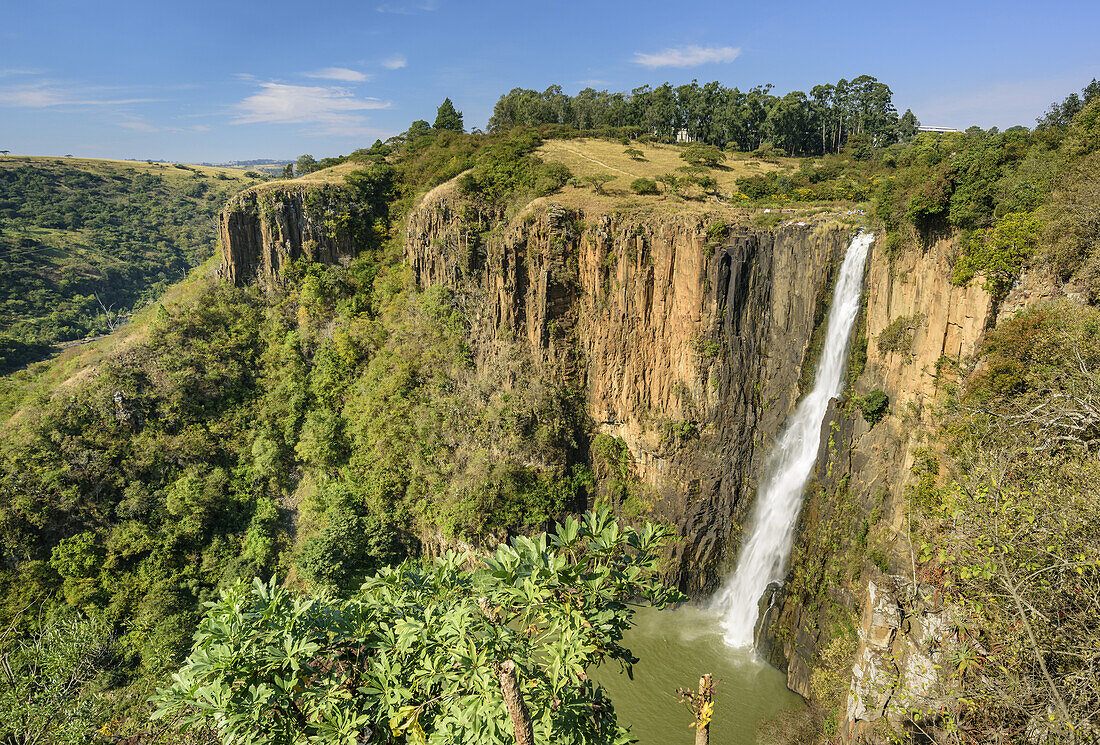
(429,655)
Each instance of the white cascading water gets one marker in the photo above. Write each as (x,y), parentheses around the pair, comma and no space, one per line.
(764,555)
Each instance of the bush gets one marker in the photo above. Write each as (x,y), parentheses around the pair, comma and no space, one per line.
(898,335)
(644,186)
(699,154)
(873,406)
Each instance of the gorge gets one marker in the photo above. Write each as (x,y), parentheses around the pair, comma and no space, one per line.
(425,359)
(691,336)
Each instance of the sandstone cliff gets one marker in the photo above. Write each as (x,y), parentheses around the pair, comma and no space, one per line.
(854,529)
(687,334)
(263,229)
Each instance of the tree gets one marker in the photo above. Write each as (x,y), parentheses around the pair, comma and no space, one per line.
(907,126)
(446,117)
(438,654)
(599,181)
(305,164)
(418,129)
(699,154)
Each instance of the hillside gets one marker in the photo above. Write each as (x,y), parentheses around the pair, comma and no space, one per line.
(84,242)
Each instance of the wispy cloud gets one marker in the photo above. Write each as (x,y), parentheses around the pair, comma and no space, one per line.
(46,94)
(396,62)
(406,7)
(687,56)
(342,74)
(329,107)
(136,123)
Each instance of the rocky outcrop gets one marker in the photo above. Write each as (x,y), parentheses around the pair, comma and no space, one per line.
(899,683)
(687,333)
(263,229)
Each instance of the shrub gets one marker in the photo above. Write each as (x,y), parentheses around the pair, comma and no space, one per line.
(898,335)
(873,406)
(644,186)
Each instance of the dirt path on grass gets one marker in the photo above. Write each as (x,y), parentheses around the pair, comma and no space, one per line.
(598,162)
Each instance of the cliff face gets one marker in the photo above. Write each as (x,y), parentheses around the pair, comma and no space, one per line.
(687,335)
(853,532)
(261,230)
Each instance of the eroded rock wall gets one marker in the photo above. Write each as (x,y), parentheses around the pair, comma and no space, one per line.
(687,334)
(852,548)
(261,230)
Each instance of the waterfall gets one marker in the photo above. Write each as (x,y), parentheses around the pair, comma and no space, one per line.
(764,555)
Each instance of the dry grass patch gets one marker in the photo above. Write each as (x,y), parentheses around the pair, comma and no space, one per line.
(105,166)
(589,157)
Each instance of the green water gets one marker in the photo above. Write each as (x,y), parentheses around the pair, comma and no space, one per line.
(674,648)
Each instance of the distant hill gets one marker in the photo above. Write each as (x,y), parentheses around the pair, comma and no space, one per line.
(83,242)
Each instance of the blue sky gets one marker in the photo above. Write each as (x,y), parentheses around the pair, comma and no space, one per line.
(198,80)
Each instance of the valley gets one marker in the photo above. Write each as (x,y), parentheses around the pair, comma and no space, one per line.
(341,439)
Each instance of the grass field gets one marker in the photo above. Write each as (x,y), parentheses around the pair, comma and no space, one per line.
(104,166)
(590,157)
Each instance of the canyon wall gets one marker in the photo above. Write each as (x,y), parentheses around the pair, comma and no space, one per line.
(688,333)
(264,228)
(853,558)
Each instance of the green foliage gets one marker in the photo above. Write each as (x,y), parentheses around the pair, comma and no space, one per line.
(705,347)
(698,154)
(644,186)
(1010,532)
(47,681)
(999,252)
(505,170)
(715,116)
(446,117)
(416,653)
(898,334)
(351,547)
(873,406)
(83,245)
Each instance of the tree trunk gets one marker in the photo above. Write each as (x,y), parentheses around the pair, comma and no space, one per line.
(517,707)
(702,725)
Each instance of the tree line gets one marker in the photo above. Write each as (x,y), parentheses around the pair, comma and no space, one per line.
(822,121)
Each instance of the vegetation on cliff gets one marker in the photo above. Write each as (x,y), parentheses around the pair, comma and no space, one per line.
(334,424)
(319,432)
(1010,532)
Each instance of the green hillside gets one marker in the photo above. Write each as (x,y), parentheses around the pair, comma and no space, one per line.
(84,242)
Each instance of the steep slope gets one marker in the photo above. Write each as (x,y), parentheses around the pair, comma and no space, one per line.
(686,333)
